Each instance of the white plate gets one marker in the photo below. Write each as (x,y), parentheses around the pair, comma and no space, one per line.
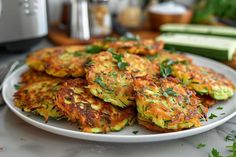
(126,135)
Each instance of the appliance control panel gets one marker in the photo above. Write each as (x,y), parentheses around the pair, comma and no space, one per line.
(30,7)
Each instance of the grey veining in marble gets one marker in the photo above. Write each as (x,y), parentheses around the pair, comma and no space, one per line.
(20,139)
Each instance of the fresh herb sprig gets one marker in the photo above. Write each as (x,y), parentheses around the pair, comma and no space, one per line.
(165,67)
(200,145)
(93,49)
(17,86)
(232,149)
(214,153)
(212,116)
(169,92)
(119,58)
(99,81)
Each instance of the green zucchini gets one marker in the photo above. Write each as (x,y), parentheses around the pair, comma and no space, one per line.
(199,29)
(219,48)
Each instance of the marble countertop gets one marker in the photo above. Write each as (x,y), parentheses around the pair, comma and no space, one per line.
(18,138)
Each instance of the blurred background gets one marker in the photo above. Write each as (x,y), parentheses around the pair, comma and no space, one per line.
(69,22)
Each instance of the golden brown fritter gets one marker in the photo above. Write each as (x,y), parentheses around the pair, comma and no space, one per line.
(38,59)
(109,76)
(60,61)
(167,104)
(204,81)
(39,98)
(32,76)
(91,113)
(137,46)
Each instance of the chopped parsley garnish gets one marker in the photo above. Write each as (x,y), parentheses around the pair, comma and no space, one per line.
(100,82)
(122,65)
(124,38)
(17,86)
(202,120)
(169,92)
(165,70)
(89,62)
(93,49)
(165,67)
(78,54)
(152,57)
(119,57)
(201,145)
(214,153)
(229,138)
(219,108)
(212,116)
(232,149)
(222,114)
(135,132)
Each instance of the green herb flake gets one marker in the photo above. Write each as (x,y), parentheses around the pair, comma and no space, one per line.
(232,149)
(122,65)
(93,49)
(219,108)
(222,114)
(202,120)
(152,57)
(78,54)
(89,63)
(119,58)
(214,153)
(201,145)
(135,132)
(165,68)
(212,116)
(169,92)
(100,82)
(17,86)
(229,138)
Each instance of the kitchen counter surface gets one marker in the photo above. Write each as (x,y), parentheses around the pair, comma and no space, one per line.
(18,138)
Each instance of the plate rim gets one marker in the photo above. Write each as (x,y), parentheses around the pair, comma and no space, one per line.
(117,138)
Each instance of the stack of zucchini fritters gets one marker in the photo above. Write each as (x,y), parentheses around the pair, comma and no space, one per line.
(105,86)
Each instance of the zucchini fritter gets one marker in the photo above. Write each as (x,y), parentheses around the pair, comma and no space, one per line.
(31,76)
(39,98)
(204,81)
(91,113)
(38,59)
(167,105)
(109,76)
(134,46)
(60,61)
(165,55)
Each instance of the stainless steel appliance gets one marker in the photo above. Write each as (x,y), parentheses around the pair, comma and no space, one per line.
(22,23)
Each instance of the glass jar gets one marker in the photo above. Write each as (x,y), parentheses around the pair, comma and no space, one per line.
(100,18)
